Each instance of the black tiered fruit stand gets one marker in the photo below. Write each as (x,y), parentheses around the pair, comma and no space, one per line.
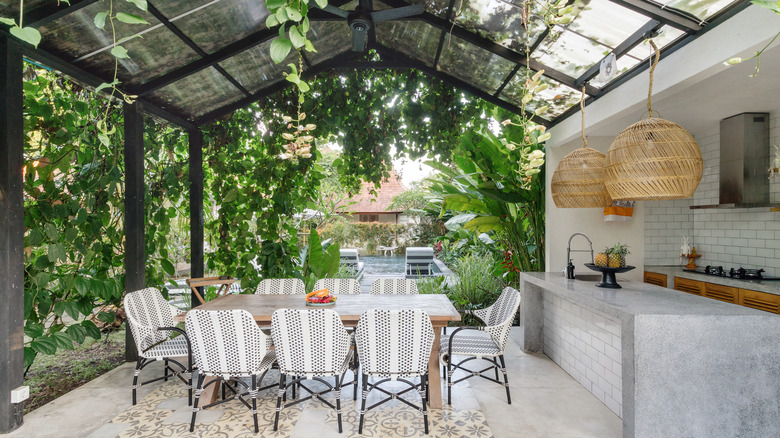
(608,275)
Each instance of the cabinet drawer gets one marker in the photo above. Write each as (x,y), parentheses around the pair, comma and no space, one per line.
(759,300)
(720,292)
(690,286)
(656,279)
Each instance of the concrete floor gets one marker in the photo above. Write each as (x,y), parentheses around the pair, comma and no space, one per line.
(546,402)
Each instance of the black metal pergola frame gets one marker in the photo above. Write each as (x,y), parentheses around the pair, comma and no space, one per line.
(13,53)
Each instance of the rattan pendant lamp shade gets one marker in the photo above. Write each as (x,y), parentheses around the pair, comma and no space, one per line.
(653,159)
(578,181)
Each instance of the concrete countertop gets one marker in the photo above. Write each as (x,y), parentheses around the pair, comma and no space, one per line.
(634,298)
(772,287)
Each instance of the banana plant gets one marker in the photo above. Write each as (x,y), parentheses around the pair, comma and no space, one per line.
(496,185)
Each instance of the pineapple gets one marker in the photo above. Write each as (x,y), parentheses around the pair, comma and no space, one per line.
(602,257)
(617,255)
(615,260)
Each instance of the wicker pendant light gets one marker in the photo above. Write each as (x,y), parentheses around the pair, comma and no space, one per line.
(653,159)
(578,181)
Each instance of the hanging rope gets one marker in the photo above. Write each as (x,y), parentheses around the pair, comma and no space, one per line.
(582,110)
(652,69)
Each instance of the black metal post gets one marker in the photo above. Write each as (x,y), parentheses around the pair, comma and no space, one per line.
(196,209)
(11,232)
(135,251)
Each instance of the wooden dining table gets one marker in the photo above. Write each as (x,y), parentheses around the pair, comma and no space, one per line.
(349,308)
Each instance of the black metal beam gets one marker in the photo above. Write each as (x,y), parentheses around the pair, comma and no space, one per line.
(92,80)
(135,250)
(665,16)
(189,42)
(443,36)
(11,232)
(507,79)
(196,209)
(51,11)
(622,48)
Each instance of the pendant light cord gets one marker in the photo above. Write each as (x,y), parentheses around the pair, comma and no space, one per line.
(652,69)
(582,110)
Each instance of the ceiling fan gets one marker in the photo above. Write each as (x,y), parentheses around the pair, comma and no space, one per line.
(362,19)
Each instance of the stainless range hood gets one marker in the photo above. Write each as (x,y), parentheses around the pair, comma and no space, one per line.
(744,160)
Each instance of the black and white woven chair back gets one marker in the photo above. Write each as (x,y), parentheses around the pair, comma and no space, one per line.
(309,342)
(225,342)
(499,317)
(394,286)
(147,311)
(339,286)
(394,343)
(281,286)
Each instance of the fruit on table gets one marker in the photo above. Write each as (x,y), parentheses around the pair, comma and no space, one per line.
(321,296)
(601,259)
(614,260)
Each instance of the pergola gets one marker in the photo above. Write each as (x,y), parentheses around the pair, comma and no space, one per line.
(199,60)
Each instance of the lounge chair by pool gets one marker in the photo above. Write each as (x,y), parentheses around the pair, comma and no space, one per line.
(351,259)
(419,261)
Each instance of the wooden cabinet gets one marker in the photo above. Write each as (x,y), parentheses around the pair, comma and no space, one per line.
(720,292)
(759,300)
(690,286)
(656,279)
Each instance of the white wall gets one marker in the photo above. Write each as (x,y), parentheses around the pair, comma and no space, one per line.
(563,222)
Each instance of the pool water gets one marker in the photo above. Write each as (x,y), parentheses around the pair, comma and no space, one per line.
(386,264)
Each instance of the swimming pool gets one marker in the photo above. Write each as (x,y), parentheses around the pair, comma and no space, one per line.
(387,265)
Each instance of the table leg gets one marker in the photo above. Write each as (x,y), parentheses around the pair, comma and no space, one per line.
(434,376)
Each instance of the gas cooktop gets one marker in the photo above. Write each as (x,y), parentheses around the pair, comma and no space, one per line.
(738,273)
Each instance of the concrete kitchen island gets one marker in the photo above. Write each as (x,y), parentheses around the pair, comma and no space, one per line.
(669,364)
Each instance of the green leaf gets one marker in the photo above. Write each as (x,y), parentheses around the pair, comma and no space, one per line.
(28,304)
(309,46)
(168,267)
(280,48)
(63,341)
(8,21)
(303,86)
(281,15)
(772,6)
(322,3)
(293,14)
(56,252)
(71,234)
(33,330)
(140,4)
(100,19)
(91,329)
(119,52)
(44,345)
(293,78)
(296,38)
(29,35)
(36,237)
(271,21)
(130,18)
(273,5)
(305,25)
(231,196)
(51,232)
(42,279)
(105,85)
(81,285)
(29,356)
(483,224)
(76,333)
(104,140)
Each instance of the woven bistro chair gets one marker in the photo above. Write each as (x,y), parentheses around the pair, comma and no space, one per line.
(310,345)
(394,286)
(281,286)
(150,319)
(488,346)
(228,345)
(394,345)
(339,286)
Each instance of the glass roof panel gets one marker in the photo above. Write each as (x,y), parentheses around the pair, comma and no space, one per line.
(624,64)
(499,21)
(197,94)
(436,7)
(158,52)
(607,22)
(701,9)
(569,52)
(174,8)
(474,65)
(219,24)
(415,38)
(667,36)
(557,97)
(75,36)
(10,8)
(254,68)
(330,38)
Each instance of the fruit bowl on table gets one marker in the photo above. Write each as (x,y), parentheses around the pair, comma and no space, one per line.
(320,298)
(608,279)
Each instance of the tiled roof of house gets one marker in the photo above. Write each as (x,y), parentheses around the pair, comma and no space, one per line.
(366,202)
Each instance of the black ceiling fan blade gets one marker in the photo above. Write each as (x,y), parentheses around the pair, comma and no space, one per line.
(336,11)
(359,38)
(397,13)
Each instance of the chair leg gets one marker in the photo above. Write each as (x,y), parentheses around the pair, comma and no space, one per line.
(506,379)
(449,379)
(135,377)
(253,393)
(201,379)
(424,382)
(355,373)
(364,379)
(166,371)
(338,401)
(282,392)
